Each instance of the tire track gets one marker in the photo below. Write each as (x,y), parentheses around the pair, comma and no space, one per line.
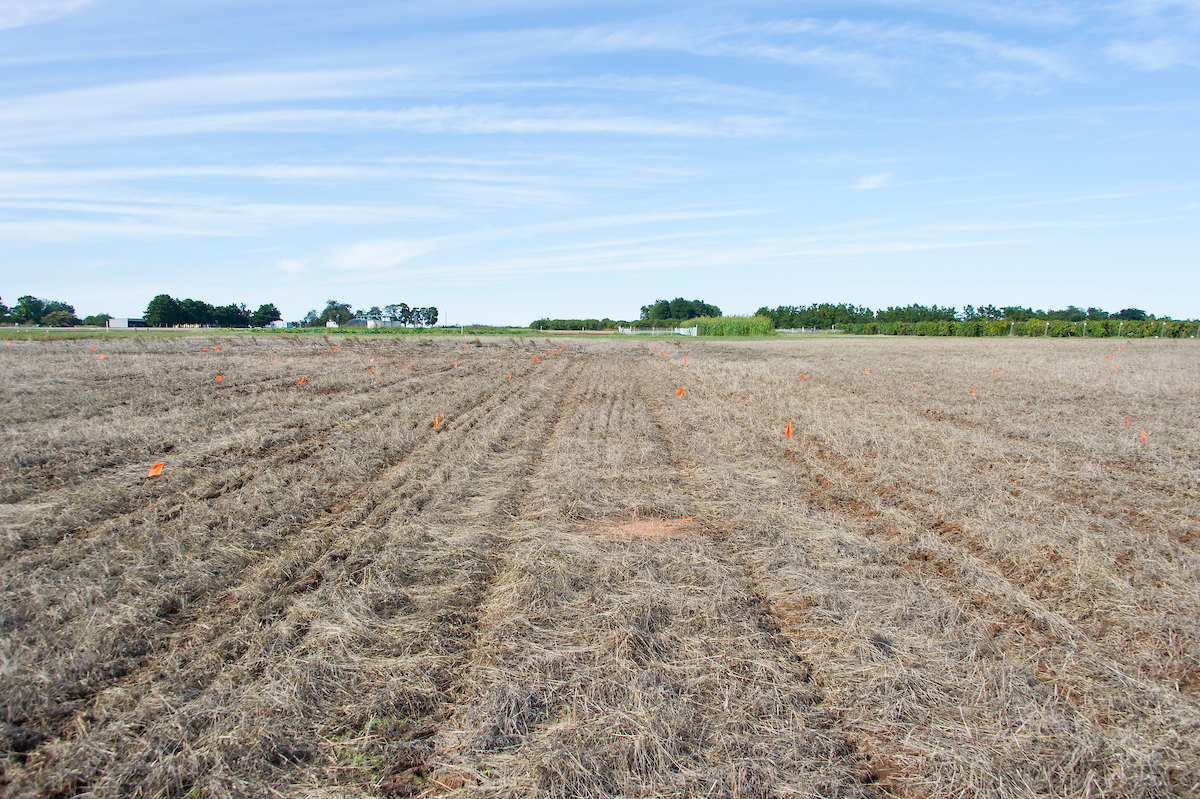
(324,567)
(169,619)
(1018,628)
(566,663)
(1036,580)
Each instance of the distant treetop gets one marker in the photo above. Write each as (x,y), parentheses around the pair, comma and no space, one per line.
(678,308)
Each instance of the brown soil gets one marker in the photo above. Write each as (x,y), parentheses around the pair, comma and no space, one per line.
(652,528)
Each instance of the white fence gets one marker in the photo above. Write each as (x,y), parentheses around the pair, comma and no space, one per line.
(658,331)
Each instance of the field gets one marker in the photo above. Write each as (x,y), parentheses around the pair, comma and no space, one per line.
(964,574)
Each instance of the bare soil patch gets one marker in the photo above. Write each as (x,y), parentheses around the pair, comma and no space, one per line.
(652,528)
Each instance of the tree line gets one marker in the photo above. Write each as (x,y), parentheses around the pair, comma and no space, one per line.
(166,311)
(660,313)
(1054,328)
(31,310)
(340,313)
(830,315)
(677,309)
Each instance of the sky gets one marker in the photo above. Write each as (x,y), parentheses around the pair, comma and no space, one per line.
(506,161)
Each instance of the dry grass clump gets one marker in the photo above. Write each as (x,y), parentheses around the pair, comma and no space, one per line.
(925,592)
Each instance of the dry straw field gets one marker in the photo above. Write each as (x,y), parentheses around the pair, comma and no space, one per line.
(584,584)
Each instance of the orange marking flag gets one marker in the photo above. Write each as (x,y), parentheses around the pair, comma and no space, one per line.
(372,360)
(535,359)
(801,377)
(1127,421)
(301,380)
(679,393)
(1144,437)
(370,371)
(155,470)
(218,349)
(102,357)
(1108,357)
(218,378)
(789,431)
(334,349)
(993,371)
(10,344)
(1118,349)
(436,419)
(866,371)
(688,519)
(685,361)
(204,349)
(93,348)
(972,391)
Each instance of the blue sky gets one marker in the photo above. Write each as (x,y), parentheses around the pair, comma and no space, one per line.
(510,160)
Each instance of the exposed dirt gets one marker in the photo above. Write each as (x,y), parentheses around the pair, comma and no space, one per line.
(652,528)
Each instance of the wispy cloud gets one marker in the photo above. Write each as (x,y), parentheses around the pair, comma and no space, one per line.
(167,217)
(17,13)
(1155,54)
(377,255)
(872,181)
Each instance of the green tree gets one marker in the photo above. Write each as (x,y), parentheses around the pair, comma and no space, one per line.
(1131,315)
(60,318)
(197,312)
(336,312)
(164,311)
(823,315)
(29,310)
(3,311)
(678,308)
(97,320)
(660,309)
(265,315)
(232,315)
(914,313)
(431,316)
(1015,313)
(404,314)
